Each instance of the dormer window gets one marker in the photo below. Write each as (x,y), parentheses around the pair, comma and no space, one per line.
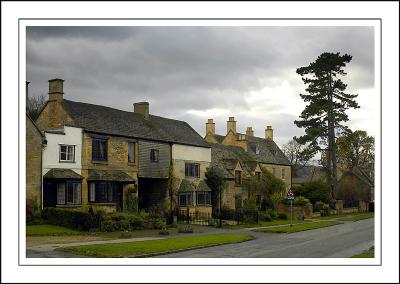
(238,178)
(257,150)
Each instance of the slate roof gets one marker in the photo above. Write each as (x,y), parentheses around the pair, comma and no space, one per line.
(308,173)
(186,186)
(62,174)
(226,158)
(109,175)
(203,186)
(268,151)
(106,120)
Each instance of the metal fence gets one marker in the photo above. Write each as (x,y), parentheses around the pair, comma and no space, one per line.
(228,217)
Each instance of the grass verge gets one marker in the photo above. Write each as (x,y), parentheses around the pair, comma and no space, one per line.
(370,253)
(357,217)
(263,224)
(148,248)
(50,230)
(298,227)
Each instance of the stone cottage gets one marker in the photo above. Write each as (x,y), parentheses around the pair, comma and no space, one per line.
(115,153)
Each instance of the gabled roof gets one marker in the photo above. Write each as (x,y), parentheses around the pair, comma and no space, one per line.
(106,120)
(62,174)
(309,173)
(262,150)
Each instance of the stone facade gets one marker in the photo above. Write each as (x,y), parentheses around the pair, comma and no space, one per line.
(282,172)
(33,164)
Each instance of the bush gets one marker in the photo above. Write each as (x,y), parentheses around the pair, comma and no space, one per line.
(163,231)
(301,201)
(318,206)
(263,216)
(131,201)
(314,191)
(33,214)
(272,213)
(325,210)
(282,216)
(72,219)
(123,221)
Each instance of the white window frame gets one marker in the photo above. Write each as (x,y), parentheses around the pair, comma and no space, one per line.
(67,153)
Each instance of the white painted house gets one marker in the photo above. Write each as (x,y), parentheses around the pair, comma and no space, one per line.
(62,167)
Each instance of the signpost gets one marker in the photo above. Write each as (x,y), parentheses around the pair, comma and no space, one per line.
(290,196)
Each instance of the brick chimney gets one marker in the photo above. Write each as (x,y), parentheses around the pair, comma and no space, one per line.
(210,127)
(142,108)
(56,90)
(269,133)
(231,125)
(249,131)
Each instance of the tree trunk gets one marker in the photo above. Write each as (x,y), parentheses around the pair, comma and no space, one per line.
(331,141)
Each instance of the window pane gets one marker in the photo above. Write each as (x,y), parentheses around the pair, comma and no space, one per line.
(92,193)
(182,200)
(70,193)
(61,193)
(77,193)
(131,152)
(110,192)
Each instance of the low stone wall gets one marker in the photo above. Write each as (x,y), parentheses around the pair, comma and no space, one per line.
(299,212)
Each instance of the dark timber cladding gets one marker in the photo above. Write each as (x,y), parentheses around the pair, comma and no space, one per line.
(154,169)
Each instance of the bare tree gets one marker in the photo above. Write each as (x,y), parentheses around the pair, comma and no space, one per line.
(298,154)
(34,105)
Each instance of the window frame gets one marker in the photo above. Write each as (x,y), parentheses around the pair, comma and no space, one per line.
(96,158)
(133,145)
(258,176)
(192,170)
(154,153)
(283,173)
(66,190)
(207,198)
(186,194)
(240,178)
(68,146)
(108,187)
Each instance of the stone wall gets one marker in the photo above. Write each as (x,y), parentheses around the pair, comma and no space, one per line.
(33,164)
(278,172)
(229,194)
(53,116)
(298,211)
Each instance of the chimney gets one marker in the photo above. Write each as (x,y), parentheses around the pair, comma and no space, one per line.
(210,127)
(249,131)
(56,90)
(269,133)
(231,125)
(142,108)
(26,91)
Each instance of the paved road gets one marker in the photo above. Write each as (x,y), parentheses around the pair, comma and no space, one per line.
(337,241)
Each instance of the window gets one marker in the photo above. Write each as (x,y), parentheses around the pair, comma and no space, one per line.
(238,178)
(283,173)
(258,176)
(273,171)
(154,155)
(238,201)
(131,152)
(103,192)
(67,153)
(192,170)
(203,198)
(99,149)
(69,193)
(185,199)
(257,151)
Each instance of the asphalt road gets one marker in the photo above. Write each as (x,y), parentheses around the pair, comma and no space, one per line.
(337,241)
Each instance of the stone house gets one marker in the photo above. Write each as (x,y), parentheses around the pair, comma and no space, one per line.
(242,156)
(121,153)
(34,143)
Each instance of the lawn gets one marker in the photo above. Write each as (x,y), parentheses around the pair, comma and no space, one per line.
(357,217)
(298,227)
(154,247)
(346,216)
(263,224)
(50,230)
(370,253)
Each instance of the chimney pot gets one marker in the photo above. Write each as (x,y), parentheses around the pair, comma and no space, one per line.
(249,131)
(56,87)
(142,108)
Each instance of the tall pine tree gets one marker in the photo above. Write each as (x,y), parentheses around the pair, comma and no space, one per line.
(327,101)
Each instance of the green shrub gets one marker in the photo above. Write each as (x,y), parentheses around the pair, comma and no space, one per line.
(272,213)
(72,219)
(314,190)
(131,201)
(263,216)
(124,221)
(301,201)
(163,231)
(325,210)
(318,206)
(282,216)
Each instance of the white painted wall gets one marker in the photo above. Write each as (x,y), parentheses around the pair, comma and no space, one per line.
(191,153)
(71,136)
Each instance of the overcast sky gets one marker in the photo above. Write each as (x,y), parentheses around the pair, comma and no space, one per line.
(196,73)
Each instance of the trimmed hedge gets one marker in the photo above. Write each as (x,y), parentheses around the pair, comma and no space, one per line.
(121,221)
(72,219)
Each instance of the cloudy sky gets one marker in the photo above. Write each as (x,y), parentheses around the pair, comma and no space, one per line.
(195,73)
